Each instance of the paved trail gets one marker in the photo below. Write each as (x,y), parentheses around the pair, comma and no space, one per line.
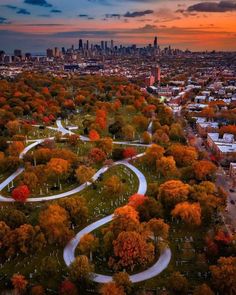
(69,251)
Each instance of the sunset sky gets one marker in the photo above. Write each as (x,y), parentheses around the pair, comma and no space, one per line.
(34,25)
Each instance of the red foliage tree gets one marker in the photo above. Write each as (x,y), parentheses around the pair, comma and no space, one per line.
(97,155)
(68,288)
(137,200)
(129,152)
(94,135)
(21,193)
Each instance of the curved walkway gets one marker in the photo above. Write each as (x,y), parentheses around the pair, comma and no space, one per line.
(69,251)
(157,268)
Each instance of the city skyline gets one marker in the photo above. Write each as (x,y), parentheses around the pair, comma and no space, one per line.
(34,25)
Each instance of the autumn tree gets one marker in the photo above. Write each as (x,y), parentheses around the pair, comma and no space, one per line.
(124,219)
(149,209)
(94,135)
(57,168)
(146,137)
(153,153)
(15,148)
(37,290)
(68,288)
(223,275)
(136,200)
(131,249)
(159,229)
(190,213)
(128,132)
(88,244)
(113,185)
(204,170)
(129,152)
(21,193)
(84,173)
(4,231)
(80,269)
(166,167)
(203,289)
(140,122)
(111,288)
(183,155)
(105,144)
(19,283)
(173,192)
(176,132)
(55,222)
(178,283)
(77,209)
(122,279)
(13,127)
(30,179)
(97,155)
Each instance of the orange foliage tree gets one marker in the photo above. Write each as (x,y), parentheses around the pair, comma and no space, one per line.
(223,275)
(94,135)
(15,148)
(19,283)
(136,200)
(172,192)
(131,249)
(55,222)
(57,168)
(84,173)
(190,213)
(204,170)
(111,288)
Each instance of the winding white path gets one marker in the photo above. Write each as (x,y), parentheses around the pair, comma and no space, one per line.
(157,268)
(69,251)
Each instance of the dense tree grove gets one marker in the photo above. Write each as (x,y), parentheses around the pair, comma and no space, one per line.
(81,175)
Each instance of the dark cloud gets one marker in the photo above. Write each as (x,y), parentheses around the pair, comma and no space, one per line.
(86,16)
(222,6)
(113,15)
(3,20)
(43,3)
(23,11)
(10,6)
(138,13)
(56,11)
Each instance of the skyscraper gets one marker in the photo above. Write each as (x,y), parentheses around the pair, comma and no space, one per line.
(80,44)
(155,43)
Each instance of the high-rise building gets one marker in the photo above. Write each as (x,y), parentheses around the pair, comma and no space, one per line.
(17,52)
(87,45)
(56,52)
(80,44)
(102,45)
(49,53)
(112,44)
(156,73)
(155,43)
